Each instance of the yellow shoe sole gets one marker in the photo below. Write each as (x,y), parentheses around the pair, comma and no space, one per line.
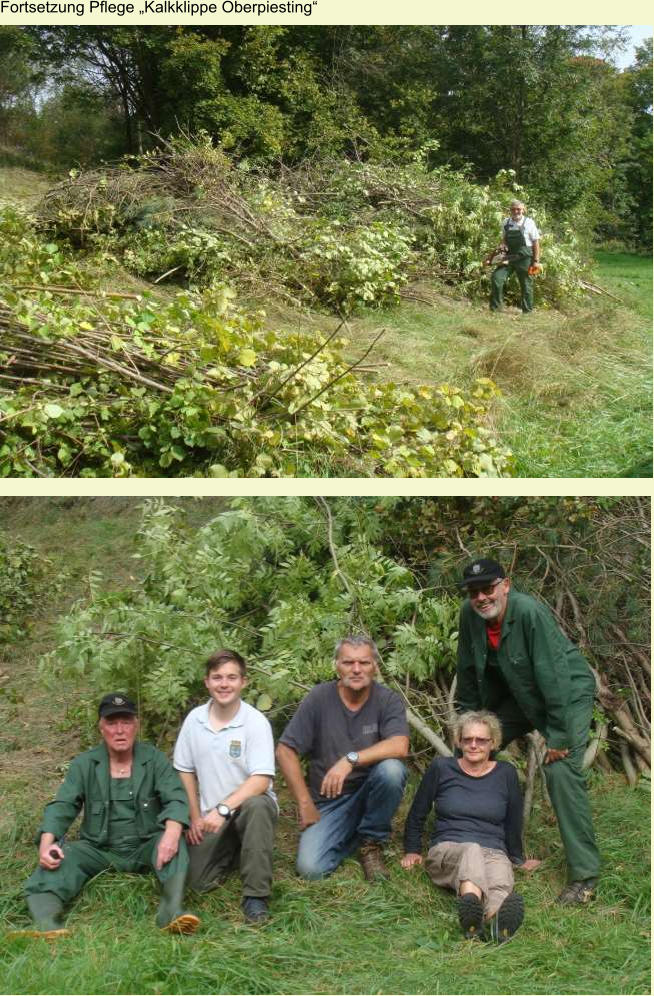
(187,923)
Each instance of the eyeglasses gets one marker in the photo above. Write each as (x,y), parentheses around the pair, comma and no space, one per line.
(488,589)
(469,741)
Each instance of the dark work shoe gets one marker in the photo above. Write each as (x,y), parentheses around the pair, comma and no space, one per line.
(255,909)
(471,916)
(507,919)
(578,893)
(371,857)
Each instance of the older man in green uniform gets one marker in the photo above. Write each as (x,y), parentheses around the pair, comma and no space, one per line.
(514,659)
(520,251)
(135,809)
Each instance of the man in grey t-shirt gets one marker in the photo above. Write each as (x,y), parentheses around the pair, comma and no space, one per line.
(354,732)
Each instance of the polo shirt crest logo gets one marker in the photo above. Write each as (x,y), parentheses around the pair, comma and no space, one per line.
(235,748)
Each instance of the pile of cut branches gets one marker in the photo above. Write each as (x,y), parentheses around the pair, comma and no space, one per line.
(133,387)
(331,233)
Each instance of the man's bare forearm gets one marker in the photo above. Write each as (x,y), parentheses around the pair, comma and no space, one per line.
(291,769)
(190,783)
(392,747)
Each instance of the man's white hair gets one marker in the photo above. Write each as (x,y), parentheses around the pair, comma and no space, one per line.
(517,204)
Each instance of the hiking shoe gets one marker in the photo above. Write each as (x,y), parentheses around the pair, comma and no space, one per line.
(471,916)
(371,857)
(255,909)
(578,893)
(507,919)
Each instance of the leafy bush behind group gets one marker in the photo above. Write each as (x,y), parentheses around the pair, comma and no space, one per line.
(258,578)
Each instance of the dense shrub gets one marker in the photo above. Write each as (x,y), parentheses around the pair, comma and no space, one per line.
(335,233)
(119,387)
(21,576)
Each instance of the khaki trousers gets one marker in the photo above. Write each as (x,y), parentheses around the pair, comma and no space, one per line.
(247,841)
(448,864)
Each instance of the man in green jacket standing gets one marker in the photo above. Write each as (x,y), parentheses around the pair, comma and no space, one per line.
(514,660)
(135,809)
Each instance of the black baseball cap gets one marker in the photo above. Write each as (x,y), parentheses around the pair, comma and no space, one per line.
(115,703)
(481,571)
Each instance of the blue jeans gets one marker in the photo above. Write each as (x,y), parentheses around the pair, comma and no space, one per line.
(351,818)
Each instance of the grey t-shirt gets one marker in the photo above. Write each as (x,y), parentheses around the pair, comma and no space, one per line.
(325,729)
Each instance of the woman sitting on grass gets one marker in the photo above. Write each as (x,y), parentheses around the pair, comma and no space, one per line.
(477,837)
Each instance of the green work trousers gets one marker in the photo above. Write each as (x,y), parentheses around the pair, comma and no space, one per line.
(83,860)
(566,784)
(500,275)
(247,839)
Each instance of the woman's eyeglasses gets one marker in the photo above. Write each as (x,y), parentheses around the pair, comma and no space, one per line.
(469,741)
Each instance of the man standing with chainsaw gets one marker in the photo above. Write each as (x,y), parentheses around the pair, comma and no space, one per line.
(520,249)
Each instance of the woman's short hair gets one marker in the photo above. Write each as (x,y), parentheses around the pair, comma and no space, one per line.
(487,719)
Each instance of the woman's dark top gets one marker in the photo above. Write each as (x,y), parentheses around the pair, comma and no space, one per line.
(485,810)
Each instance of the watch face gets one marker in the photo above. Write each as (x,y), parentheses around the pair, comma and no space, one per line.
(352,757)
(224,810)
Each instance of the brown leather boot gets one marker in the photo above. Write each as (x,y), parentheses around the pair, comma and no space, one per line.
(371,857)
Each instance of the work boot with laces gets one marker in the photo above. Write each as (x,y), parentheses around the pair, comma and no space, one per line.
(371,857)
(578,893)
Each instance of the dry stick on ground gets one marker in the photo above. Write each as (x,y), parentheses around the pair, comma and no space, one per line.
(627,764)
(593,747)
(532,767)
(422,727)
(77,290)
(598,290)
(341,375)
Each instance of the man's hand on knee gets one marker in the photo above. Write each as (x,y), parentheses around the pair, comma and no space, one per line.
(168,844)
(308,813)
(50,855)
(332,783)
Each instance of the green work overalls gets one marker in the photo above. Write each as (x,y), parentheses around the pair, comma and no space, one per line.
(520,257)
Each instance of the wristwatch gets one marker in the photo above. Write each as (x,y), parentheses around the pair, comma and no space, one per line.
(223,810)
(352,757)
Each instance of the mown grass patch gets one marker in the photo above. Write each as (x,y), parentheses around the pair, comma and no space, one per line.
(576,387)
(344,936)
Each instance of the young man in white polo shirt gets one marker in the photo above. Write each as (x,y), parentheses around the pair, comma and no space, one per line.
(225,757)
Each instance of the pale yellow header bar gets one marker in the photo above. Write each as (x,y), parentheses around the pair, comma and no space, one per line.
(200,12)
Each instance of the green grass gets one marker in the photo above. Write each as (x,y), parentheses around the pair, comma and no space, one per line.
(336,936)
(576,387)
(343,936)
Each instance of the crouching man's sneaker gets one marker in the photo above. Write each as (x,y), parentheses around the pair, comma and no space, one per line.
(371,857)
(255,909)
(578,893)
